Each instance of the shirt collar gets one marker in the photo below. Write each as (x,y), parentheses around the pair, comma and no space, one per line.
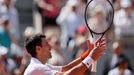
(35,61)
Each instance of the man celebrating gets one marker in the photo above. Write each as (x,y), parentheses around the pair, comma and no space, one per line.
(38,47)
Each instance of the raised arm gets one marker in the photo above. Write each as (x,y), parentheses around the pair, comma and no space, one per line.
(79,60)
(72,64)
(82,65)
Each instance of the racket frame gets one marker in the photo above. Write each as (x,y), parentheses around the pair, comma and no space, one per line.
(91,31)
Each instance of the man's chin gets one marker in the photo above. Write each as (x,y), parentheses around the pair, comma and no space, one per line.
(50,56)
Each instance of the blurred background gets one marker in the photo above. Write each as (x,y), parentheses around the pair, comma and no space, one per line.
(62,21)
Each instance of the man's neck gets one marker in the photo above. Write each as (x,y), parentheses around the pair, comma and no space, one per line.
(41,60)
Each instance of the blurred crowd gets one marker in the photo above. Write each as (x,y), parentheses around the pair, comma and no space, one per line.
(62,21)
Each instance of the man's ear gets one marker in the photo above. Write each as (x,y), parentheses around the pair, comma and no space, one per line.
(38,48)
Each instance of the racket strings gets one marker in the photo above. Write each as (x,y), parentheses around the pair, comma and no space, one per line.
(101,16)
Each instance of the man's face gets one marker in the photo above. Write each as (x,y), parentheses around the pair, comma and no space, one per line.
(44,51)
(7,2)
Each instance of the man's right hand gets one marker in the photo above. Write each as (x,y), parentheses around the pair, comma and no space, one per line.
(98,50)
(92,46)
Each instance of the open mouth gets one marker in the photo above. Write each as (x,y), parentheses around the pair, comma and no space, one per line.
(50,49)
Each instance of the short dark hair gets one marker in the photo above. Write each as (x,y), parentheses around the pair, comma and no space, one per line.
(32,42)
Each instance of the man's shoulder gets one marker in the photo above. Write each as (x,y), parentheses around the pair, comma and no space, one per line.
(35,67)
(120,12)
(40,69)
(114,71)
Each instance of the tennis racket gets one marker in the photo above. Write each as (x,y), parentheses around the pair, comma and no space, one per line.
(98,16)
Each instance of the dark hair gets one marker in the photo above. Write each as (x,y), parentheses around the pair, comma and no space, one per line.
(32,42)
(124,59)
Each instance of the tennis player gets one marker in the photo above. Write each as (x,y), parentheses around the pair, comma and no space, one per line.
(38,47)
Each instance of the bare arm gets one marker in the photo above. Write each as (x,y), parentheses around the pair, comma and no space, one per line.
(75,70)
(79,60)
(80,68)
(72,64)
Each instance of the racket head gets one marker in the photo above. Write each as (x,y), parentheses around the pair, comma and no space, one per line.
(109,17)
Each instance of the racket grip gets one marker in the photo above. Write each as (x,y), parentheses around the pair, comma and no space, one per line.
(94,67)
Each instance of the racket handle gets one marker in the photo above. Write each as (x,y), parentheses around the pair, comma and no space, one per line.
(94,67)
